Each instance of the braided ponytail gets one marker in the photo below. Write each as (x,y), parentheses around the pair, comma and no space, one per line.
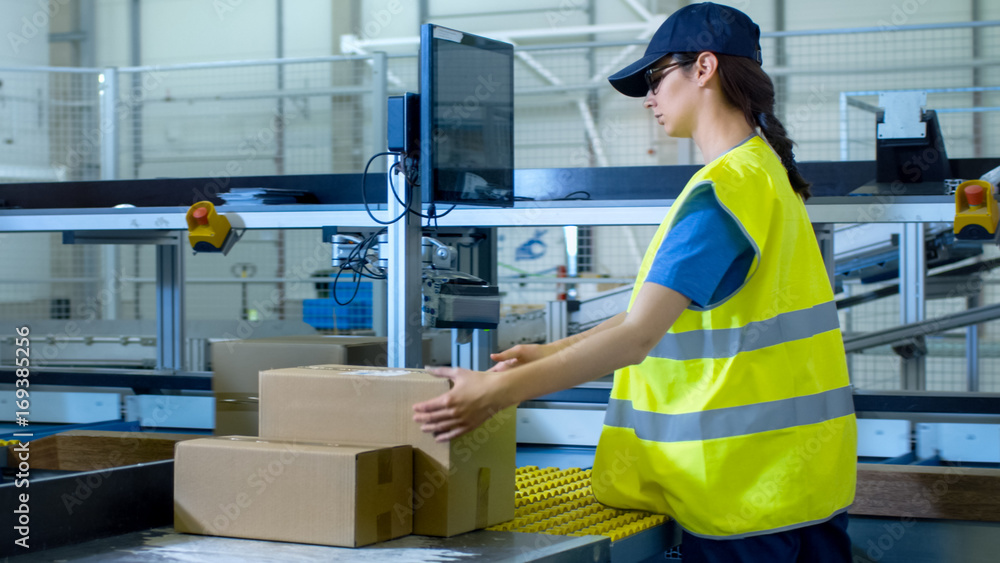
(778,138)
(750,89)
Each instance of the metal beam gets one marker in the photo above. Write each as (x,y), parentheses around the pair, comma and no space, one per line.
(912,305)
(857,343)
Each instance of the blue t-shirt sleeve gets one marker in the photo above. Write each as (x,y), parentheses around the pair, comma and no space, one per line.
(705,256)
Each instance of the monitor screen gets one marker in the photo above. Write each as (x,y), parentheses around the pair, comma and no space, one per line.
(466,118)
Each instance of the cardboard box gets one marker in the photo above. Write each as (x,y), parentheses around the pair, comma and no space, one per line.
(292,491)
(458,486)
(236,363)
(87,450)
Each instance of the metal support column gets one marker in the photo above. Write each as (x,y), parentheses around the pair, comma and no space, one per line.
(972,348)
(824,237)
(572,236)
(380,93)
(472,349)
(912,275)
(379,309)
(556,317)
(404,327)
(170,306)
(109,124)
(108,127)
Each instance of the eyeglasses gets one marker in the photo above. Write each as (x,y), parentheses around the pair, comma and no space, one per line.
(654,83)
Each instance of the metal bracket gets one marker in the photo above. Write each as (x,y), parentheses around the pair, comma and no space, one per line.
(903,118)
(915,347)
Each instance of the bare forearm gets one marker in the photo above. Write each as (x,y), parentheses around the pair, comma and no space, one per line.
(564,343)
(579,361)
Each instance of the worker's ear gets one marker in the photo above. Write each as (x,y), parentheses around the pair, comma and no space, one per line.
(705,67)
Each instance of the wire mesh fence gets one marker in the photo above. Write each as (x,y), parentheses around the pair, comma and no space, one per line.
(248,119)
(49,124)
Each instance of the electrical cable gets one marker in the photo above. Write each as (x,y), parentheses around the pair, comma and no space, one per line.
(364,192)
(395,194)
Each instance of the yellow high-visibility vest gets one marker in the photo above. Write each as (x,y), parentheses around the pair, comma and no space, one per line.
(740,421)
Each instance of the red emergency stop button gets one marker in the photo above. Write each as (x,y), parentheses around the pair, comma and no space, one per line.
(201,214)
(974,194)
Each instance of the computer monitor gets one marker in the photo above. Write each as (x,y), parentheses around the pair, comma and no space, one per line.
(466,118)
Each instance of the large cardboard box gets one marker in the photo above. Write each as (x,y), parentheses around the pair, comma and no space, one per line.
(458,486)
(292,491)
(236,363)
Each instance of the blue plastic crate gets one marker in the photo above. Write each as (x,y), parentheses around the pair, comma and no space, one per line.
(327,314)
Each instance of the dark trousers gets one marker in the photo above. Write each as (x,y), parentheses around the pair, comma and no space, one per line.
(826,542)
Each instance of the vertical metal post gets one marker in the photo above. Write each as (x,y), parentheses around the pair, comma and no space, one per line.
(170,306)
(572,236)
(86,18)
(135,59)
(824,236)
(972,348)
(379,307)
(474,352)
(404,337)
(109,123)
(279,137)
(380,93)
(108,126)
(912,274)
(844,146)
(471,349)
(556,318)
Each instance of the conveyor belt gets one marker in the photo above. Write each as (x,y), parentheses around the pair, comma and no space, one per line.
(557,519)
(561,502)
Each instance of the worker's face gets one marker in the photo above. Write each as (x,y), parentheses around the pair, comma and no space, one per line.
(672,99)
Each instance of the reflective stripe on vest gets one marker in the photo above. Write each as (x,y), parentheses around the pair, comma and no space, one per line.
(731,421)
(727,342)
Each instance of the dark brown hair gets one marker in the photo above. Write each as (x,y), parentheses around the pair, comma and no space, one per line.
(749,88)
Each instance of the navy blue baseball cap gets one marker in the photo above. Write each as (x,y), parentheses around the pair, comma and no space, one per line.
(692,29)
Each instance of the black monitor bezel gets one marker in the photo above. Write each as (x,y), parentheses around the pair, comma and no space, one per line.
(427,102)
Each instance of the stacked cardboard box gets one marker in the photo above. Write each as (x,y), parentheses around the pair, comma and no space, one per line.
(303,492)
(328,466)
(458,486)
(236,363)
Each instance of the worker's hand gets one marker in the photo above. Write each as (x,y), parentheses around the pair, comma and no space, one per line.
(520,355)
(470,402)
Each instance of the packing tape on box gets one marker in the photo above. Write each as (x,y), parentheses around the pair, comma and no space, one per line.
(483,498)
(237,402)
(363,372)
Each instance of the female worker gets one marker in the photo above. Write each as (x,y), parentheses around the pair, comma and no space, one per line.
(731,409)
